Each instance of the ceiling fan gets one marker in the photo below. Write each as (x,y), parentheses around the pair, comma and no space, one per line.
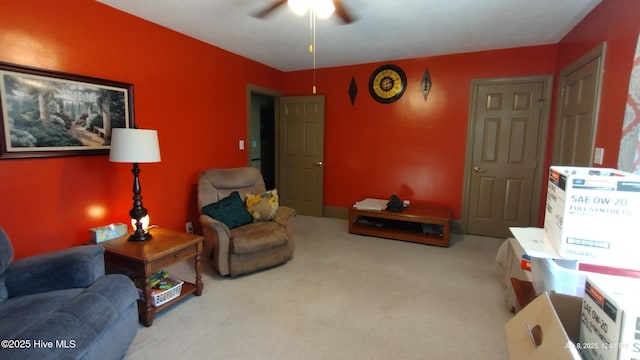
(340,10)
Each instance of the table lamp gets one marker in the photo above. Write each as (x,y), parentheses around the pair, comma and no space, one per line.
(135,146)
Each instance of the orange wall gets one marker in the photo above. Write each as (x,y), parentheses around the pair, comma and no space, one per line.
(412,147)
(192,93)
(618,23)
(416,149)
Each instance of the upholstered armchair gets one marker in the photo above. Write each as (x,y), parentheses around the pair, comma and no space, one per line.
(240,240)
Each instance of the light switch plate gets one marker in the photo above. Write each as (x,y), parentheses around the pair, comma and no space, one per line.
(598,156)
(241,144)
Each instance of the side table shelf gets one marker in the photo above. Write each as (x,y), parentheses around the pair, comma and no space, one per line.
(144,258)
(425,225)
(187,289)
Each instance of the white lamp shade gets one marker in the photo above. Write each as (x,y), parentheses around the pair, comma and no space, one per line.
(134,146)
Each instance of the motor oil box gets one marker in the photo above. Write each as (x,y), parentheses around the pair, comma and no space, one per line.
(610,319)
(593,214)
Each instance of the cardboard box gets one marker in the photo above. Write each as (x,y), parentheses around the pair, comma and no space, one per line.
(550,272)
(561,276)
(108,232)
(593,214)
(610,319)
(547,328)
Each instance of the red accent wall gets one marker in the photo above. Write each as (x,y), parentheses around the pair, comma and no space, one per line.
(412,148)
(194,94)
(618,23)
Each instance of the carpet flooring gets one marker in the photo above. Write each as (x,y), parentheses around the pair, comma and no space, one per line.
(342,296)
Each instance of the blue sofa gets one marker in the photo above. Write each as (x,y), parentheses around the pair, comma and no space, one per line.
(61,305)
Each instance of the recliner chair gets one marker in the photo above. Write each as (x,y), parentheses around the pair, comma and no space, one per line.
(246,248)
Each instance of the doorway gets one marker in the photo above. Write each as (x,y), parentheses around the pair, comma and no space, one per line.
(508,120)
(262,148)
(261,128)
(285,138)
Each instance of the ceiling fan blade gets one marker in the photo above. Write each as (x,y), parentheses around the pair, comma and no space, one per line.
(269,9)
(342,12)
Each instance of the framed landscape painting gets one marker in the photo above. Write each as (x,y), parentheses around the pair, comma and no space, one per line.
(49,113)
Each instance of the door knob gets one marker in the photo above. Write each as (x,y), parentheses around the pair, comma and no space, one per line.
(478,170)
(318,163)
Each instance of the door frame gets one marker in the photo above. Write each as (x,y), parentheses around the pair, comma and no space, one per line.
(252,88)
(599,50)
(543,128)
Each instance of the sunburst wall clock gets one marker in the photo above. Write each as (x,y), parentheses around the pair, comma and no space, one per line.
(387,83)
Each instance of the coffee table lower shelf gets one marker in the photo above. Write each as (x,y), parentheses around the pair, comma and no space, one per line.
(425,225)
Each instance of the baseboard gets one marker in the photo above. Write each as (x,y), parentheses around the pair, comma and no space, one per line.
(336,212)
(456,226)
(343,213)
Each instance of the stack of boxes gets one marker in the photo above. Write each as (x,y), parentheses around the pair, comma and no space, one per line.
(592,220)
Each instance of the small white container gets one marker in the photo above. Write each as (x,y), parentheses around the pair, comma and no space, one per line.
(159,297)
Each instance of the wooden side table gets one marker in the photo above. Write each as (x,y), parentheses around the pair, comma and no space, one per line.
(142,259)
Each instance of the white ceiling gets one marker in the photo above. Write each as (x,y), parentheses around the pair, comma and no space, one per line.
(384,30)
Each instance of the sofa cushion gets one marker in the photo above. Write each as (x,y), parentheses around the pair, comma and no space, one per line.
(75,267)
(230,211)
(263,207)
(6,254)
(79,316)
(23,312)
(257,237)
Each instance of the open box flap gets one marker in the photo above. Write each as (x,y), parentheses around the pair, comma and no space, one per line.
(534,242)
(556,320)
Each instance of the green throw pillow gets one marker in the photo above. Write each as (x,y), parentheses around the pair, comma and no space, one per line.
(230,211)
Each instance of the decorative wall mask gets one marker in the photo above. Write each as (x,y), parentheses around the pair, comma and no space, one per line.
(353,90)
(426,84)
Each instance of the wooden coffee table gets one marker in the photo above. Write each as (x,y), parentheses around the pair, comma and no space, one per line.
(421,224)
(142,259)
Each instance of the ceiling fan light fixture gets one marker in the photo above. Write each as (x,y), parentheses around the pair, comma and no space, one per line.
(299,7)
(322,8)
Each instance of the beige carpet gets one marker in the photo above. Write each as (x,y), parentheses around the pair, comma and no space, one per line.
(343,296)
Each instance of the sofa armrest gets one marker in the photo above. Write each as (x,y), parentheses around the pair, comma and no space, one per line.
(76,267)
(283,215)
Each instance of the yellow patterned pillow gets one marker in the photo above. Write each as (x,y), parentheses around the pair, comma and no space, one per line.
(263,207)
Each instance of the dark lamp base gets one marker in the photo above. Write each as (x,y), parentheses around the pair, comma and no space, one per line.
(139,236)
